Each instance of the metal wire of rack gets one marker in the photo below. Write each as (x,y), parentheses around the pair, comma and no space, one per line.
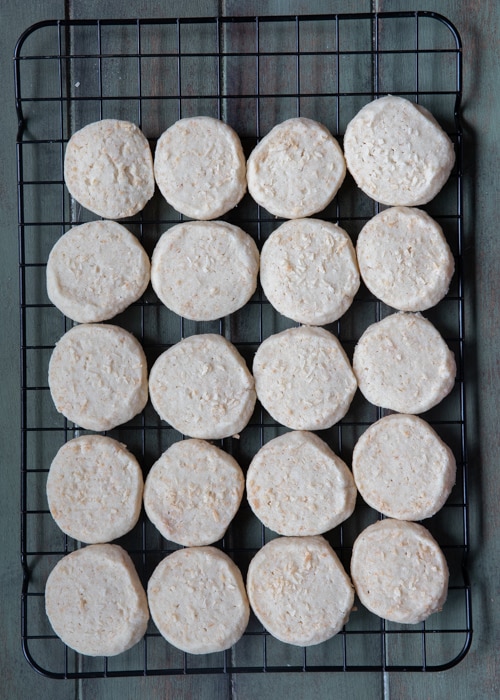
(251,72)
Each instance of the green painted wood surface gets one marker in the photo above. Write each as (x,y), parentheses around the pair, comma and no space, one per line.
(478,675)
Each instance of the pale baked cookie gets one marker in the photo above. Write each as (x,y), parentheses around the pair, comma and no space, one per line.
(202,387)
(98,376)
(96,270)
(298,589)
(94,489)
(397,152)
(205,270)
(193,492)
(200,167)
(403,363)
(296,169)
(198,601)
(404,259)
(296,485)
(303,378)
(399,571)
(308,271)
(108,168)
(402,468)
(95,601)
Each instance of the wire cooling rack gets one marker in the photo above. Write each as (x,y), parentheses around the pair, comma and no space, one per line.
(252,72)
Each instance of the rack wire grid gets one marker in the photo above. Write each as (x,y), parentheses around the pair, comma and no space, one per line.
(251,72)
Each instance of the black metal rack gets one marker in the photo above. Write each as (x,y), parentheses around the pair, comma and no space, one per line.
(251,72)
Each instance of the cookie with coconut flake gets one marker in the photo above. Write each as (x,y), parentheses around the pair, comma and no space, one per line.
(96,270)
(399,571)
(94,489)
(404,259)
(198,601)
(98,376)
(193,492)
(95,601)
(202,387)
(296,169)
(205,270)
(402,468)
(308,271)
(108,168)
(200,167)
(397,152)
(403,363)
(298,589)
(297,485)
(303,378)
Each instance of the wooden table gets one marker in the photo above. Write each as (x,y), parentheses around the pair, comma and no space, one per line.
(477,676)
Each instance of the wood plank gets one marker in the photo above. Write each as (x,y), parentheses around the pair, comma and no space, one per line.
(236,8)
(17,678)
(477,676)
(145,9)
(154,120)
(281,78)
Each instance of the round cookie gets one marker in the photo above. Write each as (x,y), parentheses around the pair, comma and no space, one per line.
(399,571)
(308,271)
(96,270)
(296,485)
(95,601)
(298,589)
(108,168)
(94,489)
(402,363)
(200,167)
(303,378)
(404,259)
(397,153)
(296,169)
(193,492)
(205,270)
(198,601)
(202,387)
(402,468)
(98,376)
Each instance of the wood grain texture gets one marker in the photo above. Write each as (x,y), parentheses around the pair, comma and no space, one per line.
(182,687)
(17,679)
(479,674)
(477,677)
(236,8)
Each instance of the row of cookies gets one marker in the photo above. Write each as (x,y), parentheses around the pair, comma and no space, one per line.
(309,269)
(295,484)
(98,376)
(97,605)
(395,150)
(296,586)
(95,491)
(398,569)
